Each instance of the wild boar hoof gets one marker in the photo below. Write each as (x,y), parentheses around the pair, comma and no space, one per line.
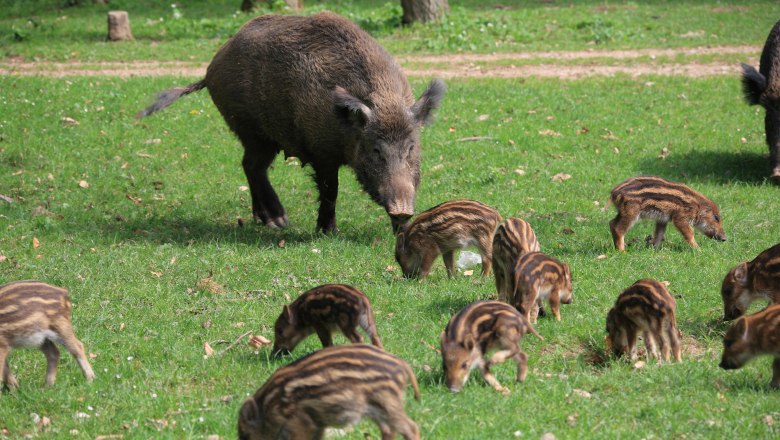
(277,222)
(776,176)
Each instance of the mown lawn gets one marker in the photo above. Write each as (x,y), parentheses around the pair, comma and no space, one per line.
(159,214)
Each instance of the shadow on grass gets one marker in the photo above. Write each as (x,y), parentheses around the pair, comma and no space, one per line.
(180,231)
(720,166)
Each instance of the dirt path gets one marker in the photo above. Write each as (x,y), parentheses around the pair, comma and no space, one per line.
(579,64)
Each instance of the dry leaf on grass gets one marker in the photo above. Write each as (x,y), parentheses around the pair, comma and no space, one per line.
(560,177)
(468,273)
(36,243)
(83,184)
(207,349)
(639,365)
(3,258)
(257,341)
(155,141)
(548,132)
(282,244)
(210,286)
(6,198)
(582,393)
(68,121)
(601,257)
(664,152)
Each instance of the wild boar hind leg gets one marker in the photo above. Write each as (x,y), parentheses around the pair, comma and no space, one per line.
(258,155)
(775,374)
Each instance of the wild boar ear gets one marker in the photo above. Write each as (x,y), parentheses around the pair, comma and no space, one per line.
(249,414)
(349,109)
(442,339)
(740,274)
(400,240)
(428,101)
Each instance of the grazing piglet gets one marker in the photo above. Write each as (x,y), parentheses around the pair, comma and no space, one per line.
(664,202)
(335,386)
(647,307)
(36,314)
(513,238)
(444,229)
(537,277)
(752,280)
(763,87)
(751,336)
(321,310)
(478,328)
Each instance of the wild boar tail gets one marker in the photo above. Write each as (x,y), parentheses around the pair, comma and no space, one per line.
(413,381)
(166,98)
(753,84)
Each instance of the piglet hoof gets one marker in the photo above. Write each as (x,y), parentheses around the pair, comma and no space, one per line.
(328,228)
(502,389)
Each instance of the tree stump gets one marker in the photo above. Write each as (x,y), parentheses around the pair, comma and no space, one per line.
(423,10)
(119,26)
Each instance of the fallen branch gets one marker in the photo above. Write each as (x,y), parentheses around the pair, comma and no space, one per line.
(234,343)
(476,138)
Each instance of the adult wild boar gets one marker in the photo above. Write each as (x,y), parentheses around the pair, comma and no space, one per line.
(763,87)
(321,89)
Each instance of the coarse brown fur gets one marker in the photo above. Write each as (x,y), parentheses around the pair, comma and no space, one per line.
(36,314)
(444,229)
(663,201)
(335,386)
(512,239)
(537,277)
(321,310)
(321,89)
(473,332)
(645,307)
(762,87)
(751,336)
(752,280)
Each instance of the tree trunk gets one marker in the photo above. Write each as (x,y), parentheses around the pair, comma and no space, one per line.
(423,10)
(119,26)
(295,5)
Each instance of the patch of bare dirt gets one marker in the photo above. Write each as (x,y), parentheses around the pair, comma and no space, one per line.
(454,65)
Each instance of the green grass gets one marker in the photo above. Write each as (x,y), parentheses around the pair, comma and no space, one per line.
(158,216)
(194,30)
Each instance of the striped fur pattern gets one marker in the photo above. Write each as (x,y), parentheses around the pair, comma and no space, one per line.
(444,229)
(752,280)
(645,307)
(536,278)
(513,238)
(473,332)
(36,314)
(335,386)
(663,201)
(751,336)
(321,310)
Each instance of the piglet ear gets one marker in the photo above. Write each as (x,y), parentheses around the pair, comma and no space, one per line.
(349,109)
(740,274)
(400,241)
(249,415)
(287,314)
(470,342)
(428,101)
(442,339)
(742,327)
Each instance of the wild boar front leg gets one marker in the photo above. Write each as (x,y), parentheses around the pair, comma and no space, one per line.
(658,236)
(686,230)
(775,373)
(674,341)
(258,155)
(324,334)
(619,225)
(388,413)
(327,179)
(449,262)
(486,252)
(484,368)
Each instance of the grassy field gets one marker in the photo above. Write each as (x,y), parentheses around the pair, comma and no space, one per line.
(193,30)
(139,219)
